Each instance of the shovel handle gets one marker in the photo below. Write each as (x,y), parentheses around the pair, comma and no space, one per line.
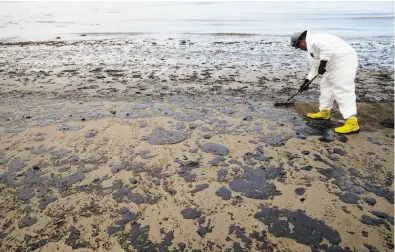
(306,84)
(293,96)
(314,78)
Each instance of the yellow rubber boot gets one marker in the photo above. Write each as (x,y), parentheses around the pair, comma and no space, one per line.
(350,126)
(323,114)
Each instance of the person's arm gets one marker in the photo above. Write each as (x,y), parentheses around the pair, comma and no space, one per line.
(319,63)
(314,68)
(324,49)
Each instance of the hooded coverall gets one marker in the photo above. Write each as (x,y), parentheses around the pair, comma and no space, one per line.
(338,80)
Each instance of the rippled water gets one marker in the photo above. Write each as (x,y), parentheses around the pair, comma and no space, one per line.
(47,20)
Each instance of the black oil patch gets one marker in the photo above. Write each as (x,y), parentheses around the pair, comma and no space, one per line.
(307,168)
(91,133)
(224,193)
(26,193)
(240,233)
(380,214)
(380,191)
(27,221)
(200,188)
(137,239)
(254,189)
(16,165)
(216,149)
(276,140)
(300,191)
(124,192)
(203,230)
(258,155)
(186,168)
(190,213)
(350,198)
(262,242)
(327,137)
(162,137)
(46,200)
(371,221)
(335,172)
(371,248)
(216,161)
(65,127)
(306,230)
(74,239)
(254,185)
(221,175)
(126,217)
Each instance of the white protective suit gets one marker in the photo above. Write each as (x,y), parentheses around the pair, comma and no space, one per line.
(338,80)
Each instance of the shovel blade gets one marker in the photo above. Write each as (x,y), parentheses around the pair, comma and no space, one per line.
(284,104)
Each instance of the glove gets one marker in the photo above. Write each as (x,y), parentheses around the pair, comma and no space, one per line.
(321,68)
(305,85)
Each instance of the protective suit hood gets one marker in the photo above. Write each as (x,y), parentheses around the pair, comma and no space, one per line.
(309,43)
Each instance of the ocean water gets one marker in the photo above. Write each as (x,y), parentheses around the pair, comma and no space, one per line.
(48,20)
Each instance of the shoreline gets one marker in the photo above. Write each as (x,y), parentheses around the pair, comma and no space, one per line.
(148,66)
(96,36)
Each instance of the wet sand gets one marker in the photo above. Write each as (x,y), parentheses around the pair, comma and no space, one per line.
(178,147)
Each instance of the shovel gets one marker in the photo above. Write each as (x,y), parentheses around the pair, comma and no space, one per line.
(290,103)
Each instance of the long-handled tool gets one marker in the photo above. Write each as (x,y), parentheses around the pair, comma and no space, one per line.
(288,103)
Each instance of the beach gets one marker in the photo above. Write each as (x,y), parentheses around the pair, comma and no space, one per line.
(121,135)
(173,144)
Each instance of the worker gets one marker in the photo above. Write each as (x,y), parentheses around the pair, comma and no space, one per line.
(337,62)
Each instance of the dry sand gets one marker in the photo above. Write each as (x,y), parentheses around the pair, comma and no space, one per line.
(100,166)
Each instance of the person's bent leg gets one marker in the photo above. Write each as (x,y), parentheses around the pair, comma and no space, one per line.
(344,91)
(326,101)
